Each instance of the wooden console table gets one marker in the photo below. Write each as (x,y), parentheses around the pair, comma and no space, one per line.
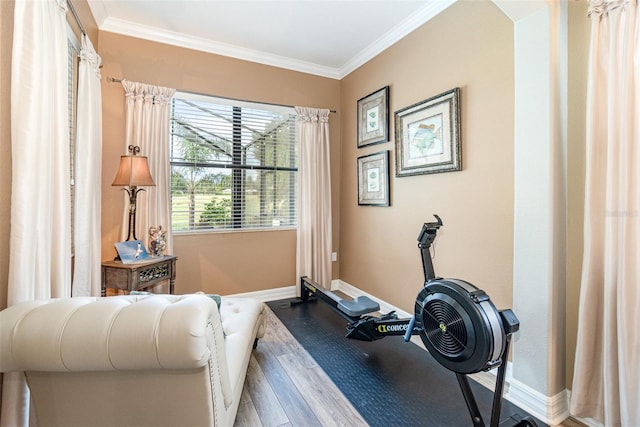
(139,275)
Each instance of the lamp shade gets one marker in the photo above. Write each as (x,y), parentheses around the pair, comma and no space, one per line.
(133,172)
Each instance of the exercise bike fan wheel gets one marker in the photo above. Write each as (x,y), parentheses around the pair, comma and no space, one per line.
(465,333)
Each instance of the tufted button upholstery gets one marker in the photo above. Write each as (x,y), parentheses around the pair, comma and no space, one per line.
(107,352)
(118,333)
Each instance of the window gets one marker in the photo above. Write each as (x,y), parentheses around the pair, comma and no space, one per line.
(73,61)
(233,165)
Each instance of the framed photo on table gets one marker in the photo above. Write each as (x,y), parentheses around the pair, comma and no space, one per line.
(373,118)
(373,179)
(131,251)
(428,136)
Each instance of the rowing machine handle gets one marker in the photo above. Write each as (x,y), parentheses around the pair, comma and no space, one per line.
(425,239)
(407,335)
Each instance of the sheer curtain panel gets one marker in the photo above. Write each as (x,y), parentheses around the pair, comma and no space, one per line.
(313,249)
(147,126)
(88,175)
(606,383)
(40,241)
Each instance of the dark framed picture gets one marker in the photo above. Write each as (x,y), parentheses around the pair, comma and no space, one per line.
(373,118)
(373,179)
(428,136)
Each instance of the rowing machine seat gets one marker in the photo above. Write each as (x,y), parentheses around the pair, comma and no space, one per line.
(358,306)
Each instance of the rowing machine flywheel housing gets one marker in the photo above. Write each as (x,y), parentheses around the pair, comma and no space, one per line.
(461,327)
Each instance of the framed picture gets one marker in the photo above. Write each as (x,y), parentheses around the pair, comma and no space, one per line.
(373,118)
(373,179)
(428,136)
(131,251)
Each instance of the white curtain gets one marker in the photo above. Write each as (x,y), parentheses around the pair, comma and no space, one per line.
(147,126)
(88,175)
(606,383)
(313,249)
(40,241)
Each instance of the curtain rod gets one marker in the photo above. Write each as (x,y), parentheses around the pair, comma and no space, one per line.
(114,80)
(75,16)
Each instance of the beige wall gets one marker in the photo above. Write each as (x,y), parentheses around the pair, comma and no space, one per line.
(469,45)
(214,262)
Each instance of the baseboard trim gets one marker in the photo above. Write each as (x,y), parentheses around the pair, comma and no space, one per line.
(269,294)
(354,292)
(553,410)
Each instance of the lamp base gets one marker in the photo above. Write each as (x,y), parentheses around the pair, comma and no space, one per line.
(133,196)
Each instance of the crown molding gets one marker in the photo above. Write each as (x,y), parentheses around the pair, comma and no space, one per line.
(422,16)
(131,29)
(127,28)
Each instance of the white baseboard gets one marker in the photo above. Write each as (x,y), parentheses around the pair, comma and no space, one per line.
(269,294)
(553,410)
(354,292)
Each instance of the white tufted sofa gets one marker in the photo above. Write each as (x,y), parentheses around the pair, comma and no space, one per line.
(152,360)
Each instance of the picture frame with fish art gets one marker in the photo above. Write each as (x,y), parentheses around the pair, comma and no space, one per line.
(428,136)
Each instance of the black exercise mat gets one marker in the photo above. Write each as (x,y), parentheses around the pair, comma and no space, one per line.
(390,382)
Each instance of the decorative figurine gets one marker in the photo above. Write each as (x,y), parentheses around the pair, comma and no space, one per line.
(157,240)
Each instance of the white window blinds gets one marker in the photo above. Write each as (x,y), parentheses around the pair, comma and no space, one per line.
(233,164)
(73,59)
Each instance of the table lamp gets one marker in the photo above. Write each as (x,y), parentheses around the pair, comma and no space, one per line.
(133,173)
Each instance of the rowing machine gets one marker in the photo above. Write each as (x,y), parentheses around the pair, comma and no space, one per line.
(457,322)
(363,326)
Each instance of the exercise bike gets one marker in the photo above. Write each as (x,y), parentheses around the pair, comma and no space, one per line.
(456,321)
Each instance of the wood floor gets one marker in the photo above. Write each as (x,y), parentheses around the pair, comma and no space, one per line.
(285,387)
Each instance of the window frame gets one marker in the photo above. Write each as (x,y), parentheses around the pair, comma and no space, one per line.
(73,61)
(237,167)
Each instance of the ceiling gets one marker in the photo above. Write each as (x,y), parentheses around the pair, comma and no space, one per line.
(329,38)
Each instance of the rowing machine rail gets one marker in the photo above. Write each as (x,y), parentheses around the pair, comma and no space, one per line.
(363,326)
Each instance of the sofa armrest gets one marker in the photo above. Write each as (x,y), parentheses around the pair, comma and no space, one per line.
(115,333)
